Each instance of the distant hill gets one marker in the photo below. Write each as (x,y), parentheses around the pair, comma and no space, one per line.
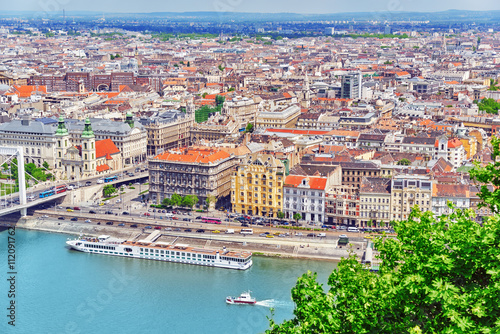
(443,16)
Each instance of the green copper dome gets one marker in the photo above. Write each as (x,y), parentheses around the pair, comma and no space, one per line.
(87,130)
(61,127)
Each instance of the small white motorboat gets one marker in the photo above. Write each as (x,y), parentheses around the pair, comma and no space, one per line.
(244,298)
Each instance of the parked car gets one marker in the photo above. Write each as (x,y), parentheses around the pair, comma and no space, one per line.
(174,218)
(198,217)
(186,219)
(168,229)
(88,183)
(92,211)
(216,231)
(109,223)
(262,235)
(269,236)
(76,208)
(200,230)
(121,224)
(74,219)
(299,234)
(148,227)
(61,218)
(125,213)
(133,225)
(177,229)
(188,230)
(157,228)
(147,214)
(88,221)
(69,210)
(311,234)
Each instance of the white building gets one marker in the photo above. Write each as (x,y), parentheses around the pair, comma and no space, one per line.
(305,195)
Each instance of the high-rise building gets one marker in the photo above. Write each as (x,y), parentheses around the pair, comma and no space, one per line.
(351,86)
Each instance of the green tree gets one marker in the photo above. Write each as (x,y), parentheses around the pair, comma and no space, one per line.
(404,162)
(488,179)
(440,275)
(281,215)
(108,190)
(176,199)
(489,106)
(45,165)
(221,68)
(166,202)
(190,201)
(219,100)
(493,85)
(297,217)
(249,128)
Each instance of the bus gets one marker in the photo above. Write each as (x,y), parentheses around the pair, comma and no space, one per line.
(47,193)
(246,231)
(61,189)
(210,220)
(110,179)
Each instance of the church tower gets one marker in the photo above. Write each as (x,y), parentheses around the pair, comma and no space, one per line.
(63,142)
(88,149)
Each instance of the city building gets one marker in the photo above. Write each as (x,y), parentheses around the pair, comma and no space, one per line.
(408,191)
(351,86)
(167,130)
(305,195)
(201,171)
(257,186)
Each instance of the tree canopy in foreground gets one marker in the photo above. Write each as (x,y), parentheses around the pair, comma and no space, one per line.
(441,275)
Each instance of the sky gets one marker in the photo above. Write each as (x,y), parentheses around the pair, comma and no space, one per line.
(262,6)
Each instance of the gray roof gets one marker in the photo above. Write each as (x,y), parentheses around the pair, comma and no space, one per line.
(101,126)
(34,127)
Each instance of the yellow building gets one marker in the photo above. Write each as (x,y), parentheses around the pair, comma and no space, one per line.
(257,186)
(470,146)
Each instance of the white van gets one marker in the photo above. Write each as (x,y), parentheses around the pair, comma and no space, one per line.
(229,231)
(246,231)
(352,229)
(321,235)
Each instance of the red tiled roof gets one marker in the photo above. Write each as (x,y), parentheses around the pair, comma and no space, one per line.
(298,132)
(105,147)
(318,183)
(102,168)
(454,143)
(200,155)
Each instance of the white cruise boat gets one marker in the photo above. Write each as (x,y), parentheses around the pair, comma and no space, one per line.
(163,252)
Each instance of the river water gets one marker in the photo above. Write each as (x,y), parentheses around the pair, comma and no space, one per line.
(63,291)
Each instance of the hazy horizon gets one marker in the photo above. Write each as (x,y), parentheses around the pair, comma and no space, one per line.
(255,6)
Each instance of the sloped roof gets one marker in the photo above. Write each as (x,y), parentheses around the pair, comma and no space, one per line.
(102,168)
(105,147)
(200,155)
(318,183)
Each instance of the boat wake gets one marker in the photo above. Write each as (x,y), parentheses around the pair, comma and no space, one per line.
(274,303)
